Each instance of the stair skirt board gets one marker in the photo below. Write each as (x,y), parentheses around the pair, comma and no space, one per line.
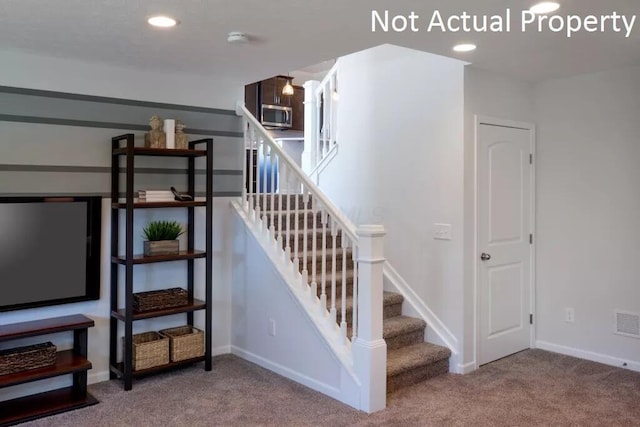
(350,390)
(349,396)
(412,360)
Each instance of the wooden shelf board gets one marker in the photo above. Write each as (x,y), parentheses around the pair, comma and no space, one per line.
(46,326)
(141,259)
(119,368)
(194,306)
(162,152)
(41,405)
(66,363)
(137,204)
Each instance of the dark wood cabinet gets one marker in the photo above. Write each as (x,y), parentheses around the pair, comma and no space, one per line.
(297,103)
(269,92)
(72,362)
(127,315)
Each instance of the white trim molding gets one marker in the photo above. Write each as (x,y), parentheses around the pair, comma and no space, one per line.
(589,355)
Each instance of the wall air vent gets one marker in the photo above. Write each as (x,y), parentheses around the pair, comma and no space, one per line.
(627,324)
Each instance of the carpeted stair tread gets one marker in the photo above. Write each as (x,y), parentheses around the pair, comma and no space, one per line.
(401,325)
(388,298)
(415,356)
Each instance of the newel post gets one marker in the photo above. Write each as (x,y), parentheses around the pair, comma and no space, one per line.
(311,130)
(369,348)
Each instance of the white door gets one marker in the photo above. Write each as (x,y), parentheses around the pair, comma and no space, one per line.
(504,248)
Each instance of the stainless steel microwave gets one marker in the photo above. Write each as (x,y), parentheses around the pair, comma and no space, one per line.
(276,116)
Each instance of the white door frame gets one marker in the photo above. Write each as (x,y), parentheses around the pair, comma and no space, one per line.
(479,120)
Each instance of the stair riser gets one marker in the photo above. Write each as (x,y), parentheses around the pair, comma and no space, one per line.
(388,311)
(417,375)
(318,245)
(410,338)
(279,221)
(279,202)
(329,265)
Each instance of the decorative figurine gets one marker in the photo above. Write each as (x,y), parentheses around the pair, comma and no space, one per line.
(182,140)
(155,138)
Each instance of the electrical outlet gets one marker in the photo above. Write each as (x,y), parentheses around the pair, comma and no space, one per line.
(272,327)
(569,315)
(442,231)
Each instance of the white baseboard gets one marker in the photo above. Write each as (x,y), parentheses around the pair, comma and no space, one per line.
(589,355)
(98,377)
(288,373)
(223,349)
(466,367)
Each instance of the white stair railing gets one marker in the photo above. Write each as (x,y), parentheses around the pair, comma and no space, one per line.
(321,119)
(317,242)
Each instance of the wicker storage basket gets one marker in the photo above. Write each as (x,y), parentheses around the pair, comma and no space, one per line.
(187,342)
(24,358)
(165,298)
(149,349)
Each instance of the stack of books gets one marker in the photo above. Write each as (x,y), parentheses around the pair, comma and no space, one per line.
(155,195)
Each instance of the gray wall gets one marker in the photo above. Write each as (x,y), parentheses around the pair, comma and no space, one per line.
(59,143)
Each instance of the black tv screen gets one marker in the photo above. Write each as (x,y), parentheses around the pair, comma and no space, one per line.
(49,250)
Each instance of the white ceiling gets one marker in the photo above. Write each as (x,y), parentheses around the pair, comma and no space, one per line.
(292,34)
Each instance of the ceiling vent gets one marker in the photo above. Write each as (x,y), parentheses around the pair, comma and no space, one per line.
(627,324)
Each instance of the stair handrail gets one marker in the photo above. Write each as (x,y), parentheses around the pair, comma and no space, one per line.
(348,227)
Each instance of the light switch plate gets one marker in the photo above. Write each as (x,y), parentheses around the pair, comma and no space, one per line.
(442,231)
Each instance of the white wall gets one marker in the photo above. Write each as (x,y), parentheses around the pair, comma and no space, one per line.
(588,182)
(297,350)
(25,70)
(400,163)
(495,95)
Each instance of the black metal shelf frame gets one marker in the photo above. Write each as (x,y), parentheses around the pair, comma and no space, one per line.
(124,370)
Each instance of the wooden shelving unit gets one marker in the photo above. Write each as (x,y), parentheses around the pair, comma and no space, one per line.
(123,146)
(72,362)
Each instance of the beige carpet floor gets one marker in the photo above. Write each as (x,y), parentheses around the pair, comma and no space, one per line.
(530,388)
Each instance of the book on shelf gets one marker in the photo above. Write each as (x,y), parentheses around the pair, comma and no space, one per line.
(155,196)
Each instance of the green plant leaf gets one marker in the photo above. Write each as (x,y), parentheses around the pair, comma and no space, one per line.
(162,230)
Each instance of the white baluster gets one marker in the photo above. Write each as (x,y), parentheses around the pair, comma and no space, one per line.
(274,161)
(251,176)
(332,312)
(354,320)
(314,252)
(288,222)
(296,256)
(266,160)
(343,317)
(305,248)
(323,295)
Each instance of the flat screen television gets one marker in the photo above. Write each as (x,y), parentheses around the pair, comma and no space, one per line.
(49,250)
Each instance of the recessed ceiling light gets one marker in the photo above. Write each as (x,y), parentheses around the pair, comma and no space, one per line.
(545,7)
(237,37)
(162,21)
(464,47)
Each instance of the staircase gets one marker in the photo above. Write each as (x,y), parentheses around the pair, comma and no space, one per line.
(409,359)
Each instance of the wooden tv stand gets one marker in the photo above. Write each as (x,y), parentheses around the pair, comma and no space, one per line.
(72,362)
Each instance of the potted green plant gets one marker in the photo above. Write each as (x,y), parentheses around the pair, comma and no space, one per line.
(161,238)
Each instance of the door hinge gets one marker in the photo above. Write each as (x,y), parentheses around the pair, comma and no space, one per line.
(530,159)
(531,239)
(531,319)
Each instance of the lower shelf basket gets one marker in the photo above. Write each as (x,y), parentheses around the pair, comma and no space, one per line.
(25,358)
(186,342)
(150,349)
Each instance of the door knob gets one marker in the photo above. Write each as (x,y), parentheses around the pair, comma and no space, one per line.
(485,257)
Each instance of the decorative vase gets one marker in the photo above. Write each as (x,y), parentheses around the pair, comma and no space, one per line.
(161,247)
